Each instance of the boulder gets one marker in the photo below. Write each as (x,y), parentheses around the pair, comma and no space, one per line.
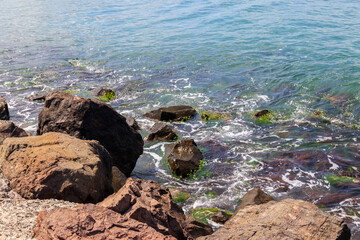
(118,179)
(197,229)
(254,197)
(133,123)
(288,219)
(146,201)
(56,165)
(91,222)
(220,217)
(173,113)
(9,129)
(39,97)
(4,109)
(184,157)
(161,131)
(90,119)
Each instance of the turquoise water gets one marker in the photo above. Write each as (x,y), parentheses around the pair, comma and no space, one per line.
(233,57)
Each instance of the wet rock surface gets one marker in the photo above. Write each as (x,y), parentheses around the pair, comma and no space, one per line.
(93,120)
(161,131)
(56,165)
(146,201)
(38,97)
(288,219)
(184,157)
(9,129)
(4,109)
(91,222)
(173,113)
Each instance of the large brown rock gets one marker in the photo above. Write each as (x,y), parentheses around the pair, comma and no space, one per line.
(288,219)
(146,201)
(9,129)
(173,113)
(91,222)
(90,119)
(254,197)
(56,165)
(184,157)
(161,131)
(4,110)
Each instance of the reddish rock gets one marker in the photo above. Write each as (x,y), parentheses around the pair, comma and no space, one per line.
(184,157)
(56,165)
(91,222)
(9,129)
(196,228)
(161,131)
(220,217)
(146,201)
(4,109)
(288,219)
(90,119)
(254,197)
(173,113)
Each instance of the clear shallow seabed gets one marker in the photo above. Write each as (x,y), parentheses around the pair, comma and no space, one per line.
(234,57)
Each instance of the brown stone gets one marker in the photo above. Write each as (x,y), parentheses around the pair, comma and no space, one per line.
(173,113)
(91,222)
(9,129)
(254,197)
(56,165)
(118,179)
(161,131)
(196,228)
(4,109)
(288,219)
(146,201)
(184,157)
(133,123)
(90,119)
(220,217)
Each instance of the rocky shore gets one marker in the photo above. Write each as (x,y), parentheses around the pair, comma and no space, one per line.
(72,181)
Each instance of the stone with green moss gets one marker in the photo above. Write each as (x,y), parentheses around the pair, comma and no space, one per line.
(263,117)
(204,214)
(104,94)
(179,196)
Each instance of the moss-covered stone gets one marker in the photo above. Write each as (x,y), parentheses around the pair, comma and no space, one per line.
(204,214)
(179,196)
(263,117)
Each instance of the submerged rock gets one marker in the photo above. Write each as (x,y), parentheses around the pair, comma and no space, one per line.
(91,222)
(173,113)
(261,113)
(146,201)
(4,109)
(56,165)
(103,94)
(184,157)
(161,131)
(40,97)
(288,219)
(9,129)
(93,120)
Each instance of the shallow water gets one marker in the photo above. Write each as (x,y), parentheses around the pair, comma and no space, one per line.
(234,57)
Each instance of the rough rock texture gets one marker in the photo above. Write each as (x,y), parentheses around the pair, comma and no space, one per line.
(196,228)
(4,110)
(93,120)
(173,113)
(146,201)
(9,129)
(18,217)
(118,179)
(220,217)
(288,219)
(133,123)
(101,91)
(161,131)
(40,97)
(91,222)
(254,197)
(184,157)
(5,190)
(56,165)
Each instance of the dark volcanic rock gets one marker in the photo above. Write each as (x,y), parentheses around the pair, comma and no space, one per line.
(220,217)
(91,222)
(173,113)
(161,131)
(93,120)
(288,219)
(4,110)
(146,201)
(56,165)
(184,157)
(9,129)
(254,197)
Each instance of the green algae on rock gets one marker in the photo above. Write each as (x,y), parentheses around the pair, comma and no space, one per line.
(204,214)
